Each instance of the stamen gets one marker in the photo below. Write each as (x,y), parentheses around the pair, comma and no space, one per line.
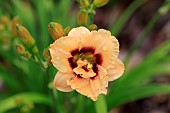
(84,69)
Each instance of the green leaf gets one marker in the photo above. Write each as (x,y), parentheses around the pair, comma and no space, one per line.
(22,98)
(125,95)
(9,80)
(100,105)
(134,80)
(155,63)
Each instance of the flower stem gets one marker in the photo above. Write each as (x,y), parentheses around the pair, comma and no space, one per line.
(100,105)
(79,104)
(55,100)
(39,60)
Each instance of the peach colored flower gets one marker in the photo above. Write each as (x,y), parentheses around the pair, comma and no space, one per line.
(86,61)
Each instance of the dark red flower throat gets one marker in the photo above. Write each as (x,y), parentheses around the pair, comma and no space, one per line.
(89,54)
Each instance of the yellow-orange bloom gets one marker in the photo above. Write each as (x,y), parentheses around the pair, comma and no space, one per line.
(86,61)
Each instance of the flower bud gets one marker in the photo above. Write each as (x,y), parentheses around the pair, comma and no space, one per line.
(46,53)
(27,107)
(100,3)
(4,20)
(14,21)
(84,3)
(49,61)
(20,49)
(67,30)
(92,27)
(25,36)
(1,27)
(82,18)
(27,55)
(56,30)
(34,49)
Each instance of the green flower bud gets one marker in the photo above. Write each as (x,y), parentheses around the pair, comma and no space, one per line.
(20,49)
(14,21)
(92,27)
(56,30)
(27,55)
(82,18)
(25,36)
(67,30)
(4,20)
(46,53)
(84,3)
(100,3)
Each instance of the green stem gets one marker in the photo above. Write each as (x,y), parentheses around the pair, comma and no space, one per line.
(100,105)
(79,104)
(54,92)
(40,60)
(91,18)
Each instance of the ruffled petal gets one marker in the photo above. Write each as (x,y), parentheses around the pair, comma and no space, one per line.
(60,81)
(96,39)
(77,82)
(79,32)
(116,70)
(109,51)
(100,83)
(91,87)
(60,52)
(104,44)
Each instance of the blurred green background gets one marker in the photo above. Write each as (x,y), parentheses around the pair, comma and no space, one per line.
(143,30)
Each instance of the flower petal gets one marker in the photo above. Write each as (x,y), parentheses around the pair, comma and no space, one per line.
(60,81)
(82,86)
(115,70)
(79,32)
(91,87)
(60,59)
(60,52)
(104,44)
(100,83)
(67,43)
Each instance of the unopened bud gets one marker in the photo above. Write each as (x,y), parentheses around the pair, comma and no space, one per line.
(14,22)
(1,27)
(34,49)
(25,36)
(18,101)
(27,55)
(4,20)
(82,18)
(84,3)
(20,49)
(49,61)
(67,30)
(100,3)
(92,27)
(56,30)
(27,107)
(50,85)
(46,53)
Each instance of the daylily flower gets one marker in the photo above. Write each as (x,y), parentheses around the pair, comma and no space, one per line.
(86,61)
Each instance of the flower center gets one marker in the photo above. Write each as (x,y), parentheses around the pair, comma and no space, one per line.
(84,62)
(84,68)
